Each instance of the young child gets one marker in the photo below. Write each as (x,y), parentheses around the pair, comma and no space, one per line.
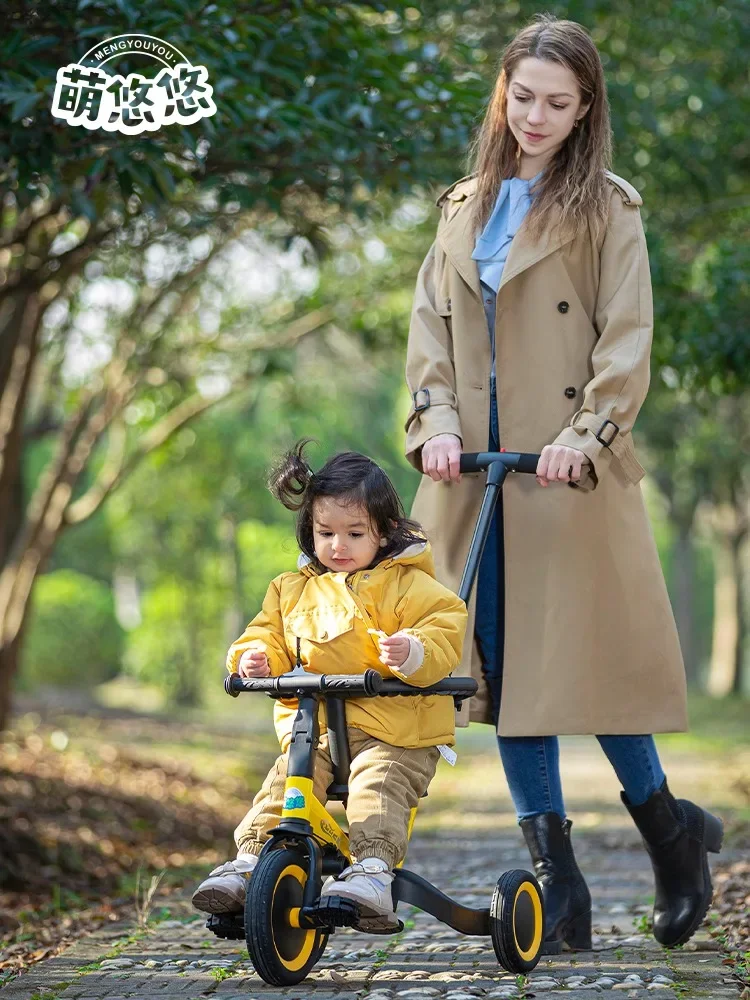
(364,596)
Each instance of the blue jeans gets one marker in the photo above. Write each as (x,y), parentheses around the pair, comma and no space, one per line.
(532,763)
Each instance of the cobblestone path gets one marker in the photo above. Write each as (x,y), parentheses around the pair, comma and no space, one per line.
(179,960)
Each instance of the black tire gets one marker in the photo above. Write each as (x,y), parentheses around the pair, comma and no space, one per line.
(517,921)
(281,953)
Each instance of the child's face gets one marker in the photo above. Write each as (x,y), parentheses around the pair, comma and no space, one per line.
(345,539)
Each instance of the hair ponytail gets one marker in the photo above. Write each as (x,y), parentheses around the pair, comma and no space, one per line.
(291,477)
(350,478)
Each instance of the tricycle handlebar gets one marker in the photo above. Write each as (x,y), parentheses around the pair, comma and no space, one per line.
(369,684)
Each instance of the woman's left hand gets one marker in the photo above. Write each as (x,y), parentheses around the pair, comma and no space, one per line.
(559,464)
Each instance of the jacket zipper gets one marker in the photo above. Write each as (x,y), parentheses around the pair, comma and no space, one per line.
(364,613)
(377,644)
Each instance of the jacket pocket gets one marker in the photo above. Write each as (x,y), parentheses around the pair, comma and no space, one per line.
(319,624)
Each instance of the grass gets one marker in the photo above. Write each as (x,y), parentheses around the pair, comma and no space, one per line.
(644,924)
(220,973)
(50,994)
(715,724)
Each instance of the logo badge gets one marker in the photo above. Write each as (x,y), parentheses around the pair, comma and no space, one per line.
(88,93)
(294,799)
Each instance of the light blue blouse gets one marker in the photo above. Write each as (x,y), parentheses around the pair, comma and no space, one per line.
(493,244)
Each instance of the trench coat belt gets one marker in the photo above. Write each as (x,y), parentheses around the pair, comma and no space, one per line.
(621,446)
(423,398)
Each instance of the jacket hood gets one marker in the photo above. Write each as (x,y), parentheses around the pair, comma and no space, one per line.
(418,554)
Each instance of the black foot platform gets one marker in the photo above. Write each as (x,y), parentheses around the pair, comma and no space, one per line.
(227,925)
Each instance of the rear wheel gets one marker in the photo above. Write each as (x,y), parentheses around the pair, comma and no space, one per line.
(282,952)
(517,921)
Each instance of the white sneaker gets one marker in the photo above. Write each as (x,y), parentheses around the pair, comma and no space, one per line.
(225,888)
(367,883)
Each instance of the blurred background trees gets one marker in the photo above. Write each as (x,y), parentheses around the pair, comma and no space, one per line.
(177,308)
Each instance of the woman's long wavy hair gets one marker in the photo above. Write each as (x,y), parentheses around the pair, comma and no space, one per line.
(574,179)
(350,478)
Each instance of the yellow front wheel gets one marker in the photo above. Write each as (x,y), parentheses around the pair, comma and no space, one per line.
(281,951)
(517,921)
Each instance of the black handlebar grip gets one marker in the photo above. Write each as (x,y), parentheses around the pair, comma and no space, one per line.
(527,463)
(235,685)
(367,684)
(458,687)
(468,462)
(513,460)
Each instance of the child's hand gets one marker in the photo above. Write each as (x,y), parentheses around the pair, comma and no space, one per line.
(394,649)
(253,663)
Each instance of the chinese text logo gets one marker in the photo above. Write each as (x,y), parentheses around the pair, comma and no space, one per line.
(86,94)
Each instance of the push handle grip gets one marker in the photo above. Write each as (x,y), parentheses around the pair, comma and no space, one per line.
(514,461)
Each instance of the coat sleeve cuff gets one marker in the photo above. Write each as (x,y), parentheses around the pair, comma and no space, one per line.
(440,416)
(582,435)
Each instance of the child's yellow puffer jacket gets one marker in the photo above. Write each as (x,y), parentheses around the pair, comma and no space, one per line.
(331,613)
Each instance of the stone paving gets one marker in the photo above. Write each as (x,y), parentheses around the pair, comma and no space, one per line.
(179,960)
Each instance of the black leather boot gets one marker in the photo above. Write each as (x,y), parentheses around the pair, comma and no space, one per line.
(677,835)
(567,901)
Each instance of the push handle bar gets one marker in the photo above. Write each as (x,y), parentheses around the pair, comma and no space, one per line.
(366,685)
(513,461)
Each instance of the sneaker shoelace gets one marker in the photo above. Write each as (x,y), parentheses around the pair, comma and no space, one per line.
(373,874)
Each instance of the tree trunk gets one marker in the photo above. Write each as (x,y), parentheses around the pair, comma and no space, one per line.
(684,601)
(9,655)
(17,356)
(725,651)
(742,612)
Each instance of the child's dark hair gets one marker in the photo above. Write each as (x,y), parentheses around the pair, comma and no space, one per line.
(350,478)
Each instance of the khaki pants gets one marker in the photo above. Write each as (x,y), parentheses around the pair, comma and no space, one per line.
(385,784)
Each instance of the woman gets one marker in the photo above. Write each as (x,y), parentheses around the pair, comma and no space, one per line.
(540,342)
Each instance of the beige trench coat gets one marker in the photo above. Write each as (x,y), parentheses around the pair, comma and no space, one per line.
(590,639)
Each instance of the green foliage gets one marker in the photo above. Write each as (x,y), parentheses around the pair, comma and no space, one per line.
(73,637)
(178,641)
(329,100)
(265,551)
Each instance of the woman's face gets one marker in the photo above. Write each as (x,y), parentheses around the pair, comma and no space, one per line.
(544,101)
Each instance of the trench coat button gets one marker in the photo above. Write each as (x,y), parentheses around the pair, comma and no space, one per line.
(570,392)
(563,307)
(448,305)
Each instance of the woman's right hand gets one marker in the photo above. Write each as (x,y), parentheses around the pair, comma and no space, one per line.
(253,663)
(441,457)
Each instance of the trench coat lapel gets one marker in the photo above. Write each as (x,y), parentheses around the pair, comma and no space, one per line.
(458,237)
(524,252)
(457,240)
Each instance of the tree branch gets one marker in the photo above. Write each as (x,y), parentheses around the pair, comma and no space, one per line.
(117,468)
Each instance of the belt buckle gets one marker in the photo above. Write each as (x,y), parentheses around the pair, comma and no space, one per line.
(418,407)
(598,434)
